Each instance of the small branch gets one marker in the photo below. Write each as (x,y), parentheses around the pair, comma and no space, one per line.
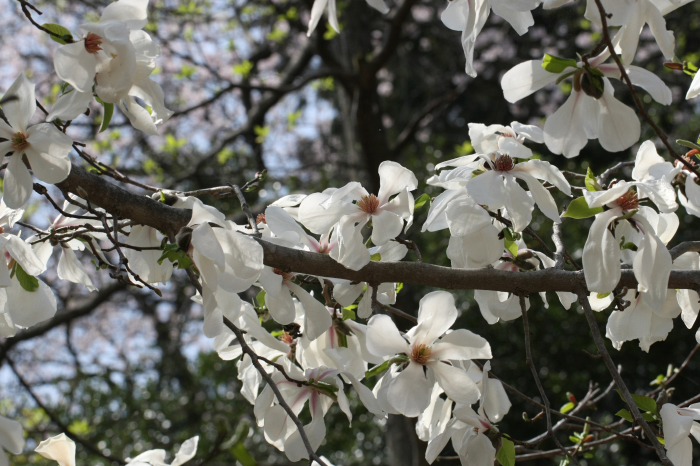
(393,310)
(244,205)
(533,369)
(682,366)
(600,344)
(410,245)
(603,178)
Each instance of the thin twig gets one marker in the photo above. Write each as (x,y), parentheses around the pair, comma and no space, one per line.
(603,178)
(410,245)
(394,311)
(244,205)
(634,410)
(538,382)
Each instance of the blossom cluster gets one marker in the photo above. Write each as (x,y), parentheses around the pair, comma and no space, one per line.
(321,347)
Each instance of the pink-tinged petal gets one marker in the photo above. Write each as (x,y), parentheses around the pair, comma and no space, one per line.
(488,189)
(29,308)
(601,254)
(281,307)
(461,344)
(652,266)
(456,383)
(76,66)
(317,319)
(524,79)
(19,111)
(436,315)
(518,204)
(393,178)
(540,195)
(676,427)
(565,129)
(58,448)
(18,184)
(385,227)
(277,424)
(409,392)
(383,338)
(11,435)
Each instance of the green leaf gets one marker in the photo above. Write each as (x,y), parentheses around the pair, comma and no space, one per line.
(567,407)
(375,257)
(578,208)
(506,454)
(66,36)
(602,295)
(574,439)
(556,64)
(511,247)
(348,314)
(27,282)
(509,239)
(645,403)
(378,369)
(689,144)
(648,417)
(260,298)
(421,200)
(174,254)
(399,287)
(591,181)
(242,456)
(107,117)
(628,245)
(624,414)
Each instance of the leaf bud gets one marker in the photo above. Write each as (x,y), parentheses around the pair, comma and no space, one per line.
(183,238)
(592,85)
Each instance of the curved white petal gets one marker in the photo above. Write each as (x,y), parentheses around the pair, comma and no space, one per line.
(436,315)
(58,448)
(394,178)
(524,79)
(75,65)
(17,183)
(456,383)
(601,254)
(18,112)
(409,392)
(461,344)
(383,338)
(565,129)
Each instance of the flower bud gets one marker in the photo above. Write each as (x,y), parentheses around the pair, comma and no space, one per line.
(183,238)
(592,85)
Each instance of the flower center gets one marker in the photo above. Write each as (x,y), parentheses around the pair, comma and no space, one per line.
(286,276)
(420,353)
(19,142)
(260,219)
(92,43)
(690,157)
(503,163)
(368,204)
(628,201)
(286,338)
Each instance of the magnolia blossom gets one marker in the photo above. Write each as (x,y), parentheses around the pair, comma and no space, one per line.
(325,387)
(469,17)
(320,5)
(352,207)
(44,145)
(144,263)
(58,448)
(506,139)
(602,255)
(591,111)
(426,348)
(11,439)
(678,425)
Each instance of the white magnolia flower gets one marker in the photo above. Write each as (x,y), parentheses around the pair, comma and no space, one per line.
(506,139)
(469,17)
(352,207)
(11,439)
(591,111)
(44,145)
(427,348)
(652,261)
(497,187)
(280,431)
(145,263)
(320,5)
(678,425)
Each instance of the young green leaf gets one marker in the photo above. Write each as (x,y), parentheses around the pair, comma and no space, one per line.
(591,181)
(567,407)
(557,64)
(506,454)
(65,37)
(420,201)
(624,414)
(27,282)
(578,208)
(107,115)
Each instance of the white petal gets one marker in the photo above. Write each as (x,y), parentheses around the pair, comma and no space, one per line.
(383,338)
(488,189)
(70,106)
(601,254)
(24,254)
(524,79)
(11,436)
(518,204)
(540,195)
(461,344)
(186,452)
(393,178)
(69,268)
(514,148)
(131,12)
(618,124)
(58,448)
(564,130)
(317,319)
(281,306)
(652,267)
(464,217)
(545,171)
(409,392)
(436,315)
(18,112)
(18,184)
(456,383)
(75,65)
(385,226)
